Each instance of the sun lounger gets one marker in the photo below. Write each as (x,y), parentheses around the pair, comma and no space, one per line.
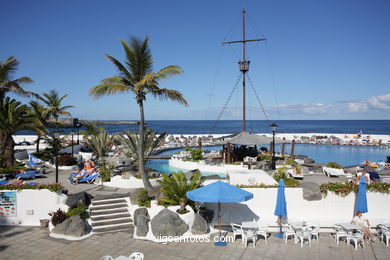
(29,175)
(294,174)
(90,178)
(32,183)
(333,172)
(3,182)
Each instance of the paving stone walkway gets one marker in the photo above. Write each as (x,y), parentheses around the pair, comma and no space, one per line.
(35,243)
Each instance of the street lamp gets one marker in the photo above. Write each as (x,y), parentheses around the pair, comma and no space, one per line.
(273,127)
(56,138)
(72,133)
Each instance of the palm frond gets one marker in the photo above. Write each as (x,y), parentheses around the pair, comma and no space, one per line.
(169,94)
(107,89)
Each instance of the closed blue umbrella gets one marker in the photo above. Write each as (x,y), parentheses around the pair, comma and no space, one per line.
(218,192)
(281,207)
(361,201)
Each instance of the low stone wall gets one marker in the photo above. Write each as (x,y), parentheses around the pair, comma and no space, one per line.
(131,183)
(326,212)
(33,205)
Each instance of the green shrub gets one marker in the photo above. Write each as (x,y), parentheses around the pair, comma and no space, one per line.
(333,165)
(290,161)
(262,157)
(187,149)
(196,154)
(12,169)
(80,210)
(105,174)
(66,159)
(57,217)
(288,182)
(143,198)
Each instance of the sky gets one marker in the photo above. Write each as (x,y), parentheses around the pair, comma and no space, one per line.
(324,59)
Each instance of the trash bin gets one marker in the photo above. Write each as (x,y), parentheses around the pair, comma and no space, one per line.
(44,223)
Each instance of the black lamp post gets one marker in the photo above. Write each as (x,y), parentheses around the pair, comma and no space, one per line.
(273,127)
(56,144)
(72,133)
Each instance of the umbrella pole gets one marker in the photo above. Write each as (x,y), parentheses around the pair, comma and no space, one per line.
(280,234)
(220,243)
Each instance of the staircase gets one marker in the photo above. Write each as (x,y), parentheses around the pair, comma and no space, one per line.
(110,214)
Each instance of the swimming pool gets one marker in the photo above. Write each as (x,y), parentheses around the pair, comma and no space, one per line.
(343,154)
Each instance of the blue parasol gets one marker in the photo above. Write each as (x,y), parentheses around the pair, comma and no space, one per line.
(281,207)
(218,192)
(361,201)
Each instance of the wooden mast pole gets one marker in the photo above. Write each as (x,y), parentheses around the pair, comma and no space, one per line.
(244,67)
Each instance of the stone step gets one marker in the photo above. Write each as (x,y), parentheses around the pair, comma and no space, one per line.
(107,212)
(111,196)
(116,228)
(109,201)
(112,222)
(111,216)
(108,206)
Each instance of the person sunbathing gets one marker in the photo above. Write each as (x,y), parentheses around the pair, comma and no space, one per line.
(87,170)
(363,223)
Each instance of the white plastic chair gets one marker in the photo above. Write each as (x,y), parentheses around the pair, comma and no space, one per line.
(314,231)
(106,257)
(289,231)
(237,231)
(385,235)
(136,256)
(249,235)
(262,231)
(304,235)
(356,238)
(339,233)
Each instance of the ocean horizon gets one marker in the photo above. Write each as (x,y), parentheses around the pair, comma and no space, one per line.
(379,127)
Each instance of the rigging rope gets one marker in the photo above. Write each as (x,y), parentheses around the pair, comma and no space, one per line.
(257,97)
(226,103)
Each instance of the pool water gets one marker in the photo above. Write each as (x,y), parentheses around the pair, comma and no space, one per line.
(344,155)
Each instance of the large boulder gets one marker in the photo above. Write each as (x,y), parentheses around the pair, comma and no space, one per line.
(73,226)
(311,191)
(168,223)
(200,226)
(75,199)
(140,211)
(142,225)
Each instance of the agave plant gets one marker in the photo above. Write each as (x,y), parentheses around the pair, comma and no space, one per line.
(176,186)
(100,145)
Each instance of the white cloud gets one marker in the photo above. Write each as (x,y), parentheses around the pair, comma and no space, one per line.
(381,102)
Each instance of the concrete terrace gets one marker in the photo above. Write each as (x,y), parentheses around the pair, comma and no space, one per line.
(35,243)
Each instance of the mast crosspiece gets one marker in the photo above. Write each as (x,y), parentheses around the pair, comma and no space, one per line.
(244,66)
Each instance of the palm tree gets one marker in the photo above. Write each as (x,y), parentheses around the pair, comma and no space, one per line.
(14,117)
(136,76)
(53,102)
(7,84)
(130,141)
(42,114)
(176,187)
(91,128)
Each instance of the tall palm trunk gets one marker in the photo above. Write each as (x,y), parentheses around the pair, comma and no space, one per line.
(9,153)
(38,139)
(2,146)
(141,165)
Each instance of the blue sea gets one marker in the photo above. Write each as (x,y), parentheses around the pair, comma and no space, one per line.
(256,126)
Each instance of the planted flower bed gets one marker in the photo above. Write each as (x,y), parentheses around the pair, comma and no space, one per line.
(343,189)
(55,187)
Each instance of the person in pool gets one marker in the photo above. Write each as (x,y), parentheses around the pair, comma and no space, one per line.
(363,223)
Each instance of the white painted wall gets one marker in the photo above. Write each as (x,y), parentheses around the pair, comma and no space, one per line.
(250,177)
(186,165)
(326,212)
(118,182)
(38,202)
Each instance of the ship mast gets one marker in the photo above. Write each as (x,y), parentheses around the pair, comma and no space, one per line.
(244,67)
